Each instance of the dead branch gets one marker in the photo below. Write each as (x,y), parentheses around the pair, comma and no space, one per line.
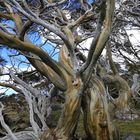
(4,125)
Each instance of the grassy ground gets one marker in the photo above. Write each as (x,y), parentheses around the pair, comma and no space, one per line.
(128,127)
(125,127)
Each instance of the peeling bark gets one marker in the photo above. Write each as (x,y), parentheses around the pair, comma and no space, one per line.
(97,121)
(125,92)
(69,118)
(68,121)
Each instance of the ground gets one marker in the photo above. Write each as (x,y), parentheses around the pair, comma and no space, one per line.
(18,119)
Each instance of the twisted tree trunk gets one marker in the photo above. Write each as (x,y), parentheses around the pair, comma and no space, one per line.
(96,116)
(68,121)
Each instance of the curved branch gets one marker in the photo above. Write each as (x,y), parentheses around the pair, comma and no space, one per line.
(11,86)
(56,79)
(102,39)
(125,93)
(112,65)
(14,43)
(24,29)
(95,40)
(41,22)
(51,27)
(136,85)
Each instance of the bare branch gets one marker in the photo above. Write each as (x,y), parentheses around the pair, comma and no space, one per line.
(4,125)
(12,86)
(23,84)
(23,135)
(112,65)
(29,100)
(39,21)
(24,29)
(15,43)
(102,38)
(136,85)
(39,114)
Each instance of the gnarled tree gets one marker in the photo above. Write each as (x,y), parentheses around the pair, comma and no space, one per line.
(66,26)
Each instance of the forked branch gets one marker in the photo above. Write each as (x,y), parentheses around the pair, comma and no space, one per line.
(103,37)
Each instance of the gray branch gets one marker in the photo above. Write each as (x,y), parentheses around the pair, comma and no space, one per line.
(23,135)
(29,100)
(136,85)
(4,125)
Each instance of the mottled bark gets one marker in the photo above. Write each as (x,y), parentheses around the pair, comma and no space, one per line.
(69,118)
(125,93)
(97,121)
(68,121)
(124,90)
